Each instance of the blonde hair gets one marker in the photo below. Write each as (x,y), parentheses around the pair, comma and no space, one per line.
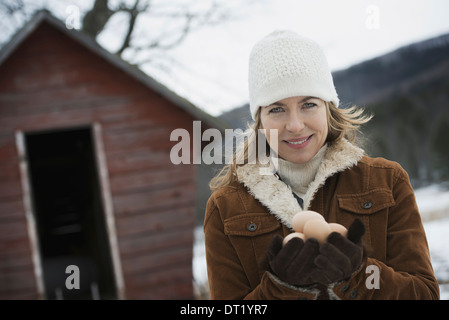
(342,123)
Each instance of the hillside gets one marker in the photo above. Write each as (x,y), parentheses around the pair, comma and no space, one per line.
(407,90)
(395,72)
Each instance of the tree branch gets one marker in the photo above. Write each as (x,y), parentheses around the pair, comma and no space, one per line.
(214,15)
(133,13)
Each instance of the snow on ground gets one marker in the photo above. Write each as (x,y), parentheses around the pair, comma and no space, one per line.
(437,233)
(433,203)
(199,265)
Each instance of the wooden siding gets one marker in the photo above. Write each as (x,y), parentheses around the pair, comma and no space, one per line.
(53,82)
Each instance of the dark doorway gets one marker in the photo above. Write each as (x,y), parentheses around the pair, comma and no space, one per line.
(69,215)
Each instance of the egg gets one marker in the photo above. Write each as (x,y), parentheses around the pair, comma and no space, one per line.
(302,217)
(318,229)
(293,235)
(336,227)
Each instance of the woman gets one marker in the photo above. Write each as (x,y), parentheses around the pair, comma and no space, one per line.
(385,255)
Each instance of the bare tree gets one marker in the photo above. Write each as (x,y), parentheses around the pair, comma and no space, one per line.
(143,31)
(182,18)
(95,20)
(185,20)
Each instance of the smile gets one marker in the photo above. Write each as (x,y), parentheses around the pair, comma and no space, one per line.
(299,142)
(296,141)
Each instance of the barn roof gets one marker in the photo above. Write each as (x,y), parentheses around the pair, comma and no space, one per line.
(45,16)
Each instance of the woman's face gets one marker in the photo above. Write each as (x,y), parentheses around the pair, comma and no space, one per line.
(302,127)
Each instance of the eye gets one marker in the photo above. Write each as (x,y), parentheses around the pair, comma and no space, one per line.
(309,105)
(275,110)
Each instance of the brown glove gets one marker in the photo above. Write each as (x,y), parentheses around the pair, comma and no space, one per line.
(293,262)
(339,256)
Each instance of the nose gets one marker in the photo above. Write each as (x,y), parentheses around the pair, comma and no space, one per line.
(295,123)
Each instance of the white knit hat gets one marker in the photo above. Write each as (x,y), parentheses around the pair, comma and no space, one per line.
(283,65)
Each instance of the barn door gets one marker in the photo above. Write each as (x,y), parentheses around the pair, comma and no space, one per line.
(67,208)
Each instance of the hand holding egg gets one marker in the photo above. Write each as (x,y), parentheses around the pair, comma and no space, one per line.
(310,224)
(293,235)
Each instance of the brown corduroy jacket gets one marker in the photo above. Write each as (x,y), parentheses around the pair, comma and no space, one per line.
(242,218)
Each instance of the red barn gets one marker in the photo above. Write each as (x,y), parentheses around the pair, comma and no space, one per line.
(90,204)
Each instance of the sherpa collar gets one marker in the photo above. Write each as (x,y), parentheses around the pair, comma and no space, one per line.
(278,197)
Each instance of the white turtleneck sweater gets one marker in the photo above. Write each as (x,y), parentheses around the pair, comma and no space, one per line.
(299,175)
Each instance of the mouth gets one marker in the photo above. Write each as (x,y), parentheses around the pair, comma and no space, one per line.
(298,143)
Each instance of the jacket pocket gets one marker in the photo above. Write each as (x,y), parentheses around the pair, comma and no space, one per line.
(367,202)
(250,235)
(250,224)
(372,208)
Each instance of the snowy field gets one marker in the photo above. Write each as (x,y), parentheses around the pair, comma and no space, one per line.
(433,202)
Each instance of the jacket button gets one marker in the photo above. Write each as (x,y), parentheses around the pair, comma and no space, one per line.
(367,205)
(345,288)
(252,227)
(353,294)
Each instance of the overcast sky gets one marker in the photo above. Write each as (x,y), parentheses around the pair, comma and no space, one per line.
(210,67)
(214,75)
